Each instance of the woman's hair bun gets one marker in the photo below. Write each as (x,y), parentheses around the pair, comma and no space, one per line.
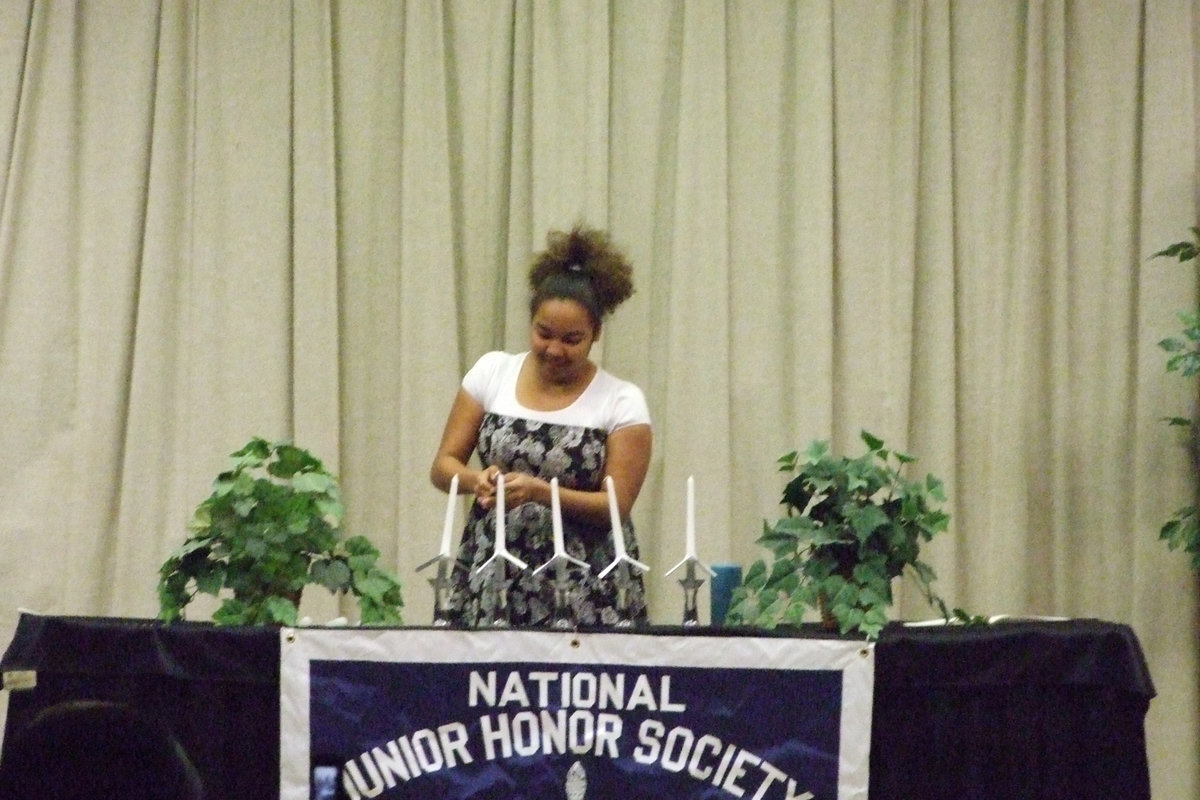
(582,253)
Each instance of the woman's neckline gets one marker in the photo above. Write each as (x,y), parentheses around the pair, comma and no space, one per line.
(549,407)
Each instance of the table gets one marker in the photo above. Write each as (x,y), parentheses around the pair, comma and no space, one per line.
(1027,709)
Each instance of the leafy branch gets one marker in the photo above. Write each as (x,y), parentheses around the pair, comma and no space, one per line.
(852,525)
(1182,529)
(270,527)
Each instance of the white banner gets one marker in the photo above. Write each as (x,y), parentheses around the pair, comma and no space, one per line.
(407,713)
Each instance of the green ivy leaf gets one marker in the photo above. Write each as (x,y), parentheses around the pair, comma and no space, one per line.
(201,518)
(360,546)
(874,443)
(775,609)
(865,520)
(334,575)
(924,572)
(781,569)
(1184,251)
(280,610)
(331,509)
(373,613)
(873,621)
(756,575)
(373,586)
(936,489)
(173,595)
(967,618)
(243,484)
(231,612)
(1172,345)
(194,545)
(849,617)
(738,601)
(816,452)
(211,581)
(255,547)
(253,453)
(314,482)
(245,506)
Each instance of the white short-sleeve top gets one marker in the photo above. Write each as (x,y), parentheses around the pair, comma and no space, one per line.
(608,403)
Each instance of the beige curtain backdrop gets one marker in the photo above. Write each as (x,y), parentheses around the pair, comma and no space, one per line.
(930,220)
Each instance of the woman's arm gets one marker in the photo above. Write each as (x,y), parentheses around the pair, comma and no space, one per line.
(627,459)
(459,438)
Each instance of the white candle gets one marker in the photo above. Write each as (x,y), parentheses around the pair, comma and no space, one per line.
(618,533)
(449,524)
(501,544)
(691,517)
(556,518)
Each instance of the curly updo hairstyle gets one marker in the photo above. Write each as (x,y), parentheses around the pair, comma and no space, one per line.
(582,265)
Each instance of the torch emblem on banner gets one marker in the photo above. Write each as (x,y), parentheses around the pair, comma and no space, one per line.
(576,783)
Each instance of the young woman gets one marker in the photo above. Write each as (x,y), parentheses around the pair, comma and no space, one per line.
(550,412)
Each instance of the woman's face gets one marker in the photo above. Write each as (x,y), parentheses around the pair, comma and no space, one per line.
(560,338)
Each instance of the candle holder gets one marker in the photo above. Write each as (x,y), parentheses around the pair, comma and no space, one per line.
(498,582)
(445,562)
(691,584)
(564,614)
(497,567)
(623,566)
(622,582)
(441,587)
(622,562)
(498,614)
(498,563)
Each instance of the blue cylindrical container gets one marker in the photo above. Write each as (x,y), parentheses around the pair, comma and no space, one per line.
(727,577)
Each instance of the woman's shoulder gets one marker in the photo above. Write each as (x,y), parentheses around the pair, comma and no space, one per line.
(495,359)
(496,362)
(490,371)
(624,400)
(612,384)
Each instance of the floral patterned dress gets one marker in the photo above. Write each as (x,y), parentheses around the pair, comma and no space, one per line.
(575,455)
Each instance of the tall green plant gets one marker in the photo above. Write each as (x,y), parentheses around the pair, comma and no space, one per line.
(270,527)
(1182,529)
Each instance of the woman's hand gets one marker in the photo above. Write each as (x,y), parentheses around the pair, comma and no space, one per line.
(521,488)
(485,487)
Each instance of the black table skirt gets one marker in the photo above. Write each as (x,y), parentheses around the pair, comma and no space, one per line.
(1014,710)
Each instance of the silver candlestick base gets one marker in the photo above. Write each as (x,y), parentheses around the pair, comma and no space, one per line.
(441,587)
(564,612)
(624,566)
(691,584)
(498,581)
(499,584)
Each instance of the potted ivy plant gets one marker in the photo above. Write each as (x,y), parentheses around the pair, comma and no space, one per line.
(852,525)
(271,527)
(1182,529)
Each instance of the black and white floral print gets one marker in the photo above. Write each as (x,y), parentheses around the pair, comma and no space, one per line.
(574,455)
